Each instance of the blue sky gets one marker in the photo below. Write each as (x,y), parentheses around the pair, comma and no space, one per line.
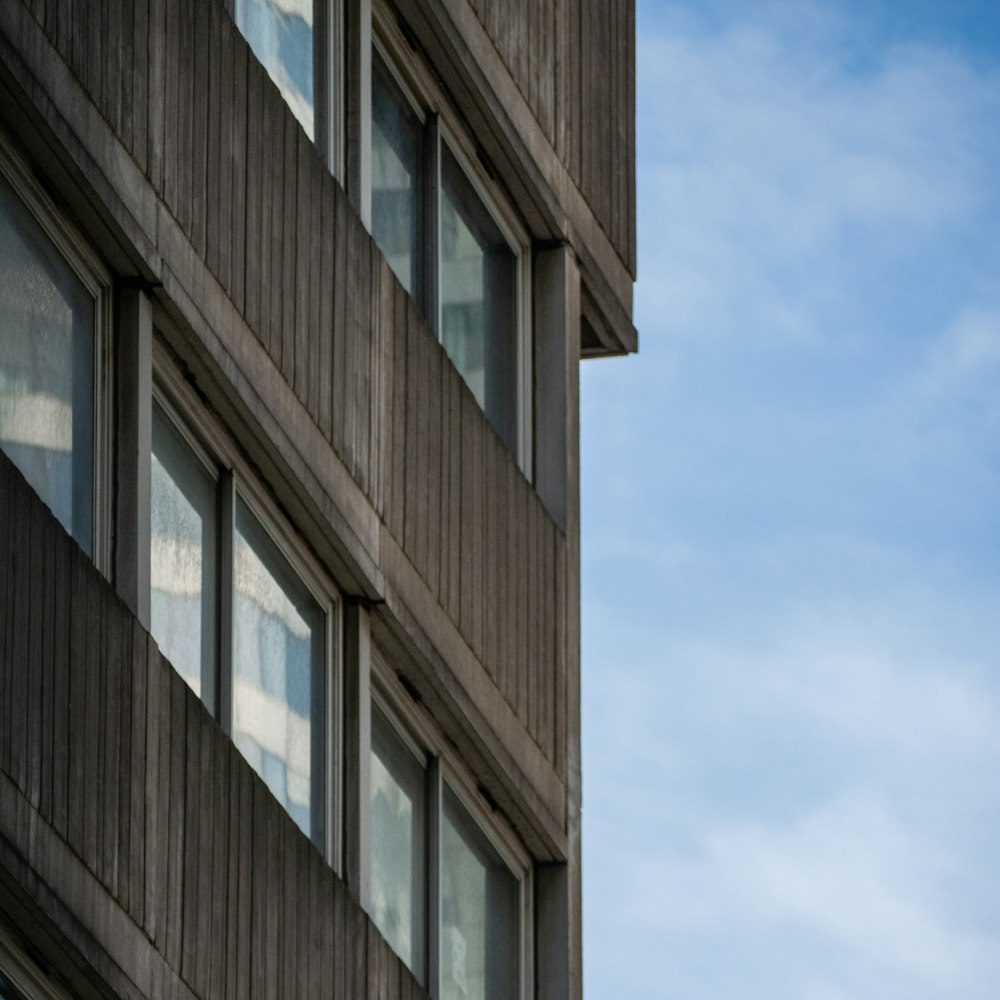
(791,516)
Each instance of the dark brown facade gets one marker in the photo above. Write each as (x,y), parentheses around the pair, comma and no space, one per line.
(140,854)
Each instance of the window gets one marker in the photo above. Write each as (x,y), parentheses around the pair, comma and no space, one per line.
(279,648)
(53,309)
(479,911)
(281,36)
(439,221)
(243,615)
(398,844)
(444,870)
(477,295)
(184,550)
(298,43)
(398,166)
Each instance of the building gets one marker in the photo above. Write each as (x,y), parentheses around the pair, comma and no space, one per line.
(292,300)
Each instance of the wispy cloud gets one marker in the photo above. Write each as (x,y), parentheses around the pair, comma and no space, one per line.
(846,879)
(768,147)
(965,356)
(808,804)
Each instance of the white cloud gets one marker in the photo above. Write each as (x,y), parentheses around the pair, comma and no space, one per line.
(765,149)
(968,350)
(799,802)
(937,419)
(905,689)
(846,877)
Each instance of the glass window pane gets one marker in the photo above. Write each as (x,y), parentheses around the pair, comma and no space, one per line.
(183,558)
(479,913)
(478,278)
(278,650)
(47,329)
(397,154)
(398,861)
(280,32)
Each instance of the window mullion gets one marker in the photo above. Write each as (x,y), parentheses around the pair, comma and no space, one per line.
(332,728)
(222,683)
(358,87)
(434,807)
(321,80)
(357,751)
(431,222)
(134,374)
(328,83)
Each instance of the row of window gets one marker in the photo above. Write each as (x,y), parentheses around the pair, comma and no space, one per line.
(442,884)
(444,228)
(238,621)
(247,615)
(460,262)
(219,568)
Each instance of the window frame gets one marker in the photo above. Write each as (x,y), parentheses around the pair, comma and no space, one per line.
(444,125)
(214,470)
(329,80)
(444,768)
(238,480)
(520,245)
(87,266)
(423,295)
(426,763)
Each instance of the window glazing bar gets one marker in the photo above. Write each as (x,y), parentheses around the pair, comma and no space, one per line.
(134,369)
(358,112)
(227,582)
(435,803)
(357,752)
(432,222)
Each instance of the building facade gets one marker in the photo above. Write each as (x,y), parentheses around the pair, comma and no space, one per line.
(293,295)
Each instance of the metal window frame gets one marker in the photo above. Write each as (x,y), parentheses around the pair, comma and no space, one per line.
(520,245)
(97,279)
(329,79)
(425,295)
(161,401)
(221,457)
(428,766)
(330,75)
